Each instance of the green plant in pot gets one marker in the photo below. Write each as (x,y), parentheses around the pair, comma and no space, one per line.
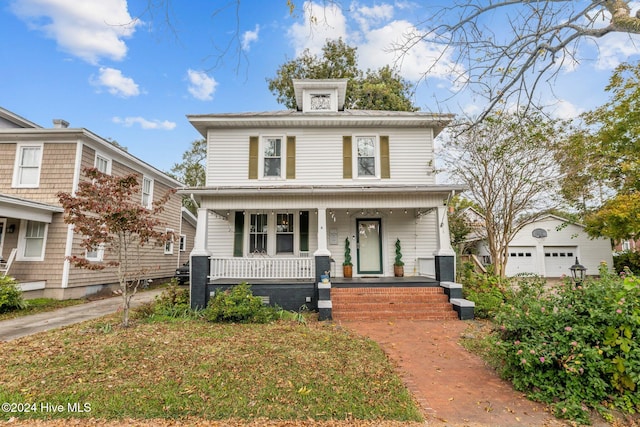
(347,265)
(398,265)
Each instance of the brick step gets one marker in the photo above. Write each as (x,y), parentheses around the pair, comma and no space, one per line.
(389,290)
(392,306)
(387,303)
(382,315)
(389,299)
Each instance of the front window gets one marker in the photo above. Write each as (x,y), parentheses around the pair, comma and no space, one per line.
(32,242)
(284,233)
(28,162)
(147,192)
(366,156)
(272,157)
(258,233)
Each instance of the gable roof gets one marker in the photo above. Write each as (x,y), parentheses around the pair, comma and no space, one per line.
(28,129)
(17,120)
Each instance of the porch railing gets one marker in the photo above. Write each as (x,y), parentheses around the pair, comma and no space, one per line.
(262,268)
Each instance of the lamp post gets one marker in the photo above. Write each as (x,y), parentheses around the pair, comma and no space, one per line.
(577,272)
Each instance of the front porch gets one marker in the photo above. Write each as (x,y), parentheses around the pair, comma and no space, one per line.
(282,240)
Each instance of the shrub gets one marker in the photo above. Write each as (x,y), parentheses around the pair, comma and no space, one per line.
(485,290)
(10,295)
(173,302)
(575,347)
(236,304)
(628,259)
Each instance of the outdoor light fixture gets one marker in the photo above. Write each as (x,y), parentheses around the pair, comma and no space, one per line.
(577,272)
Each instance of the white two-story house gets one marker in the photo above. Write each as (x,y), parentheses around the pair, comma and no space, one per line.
(286,189)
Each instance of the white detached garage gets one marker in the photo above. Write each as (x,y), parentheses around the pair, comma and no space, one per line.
(550,245)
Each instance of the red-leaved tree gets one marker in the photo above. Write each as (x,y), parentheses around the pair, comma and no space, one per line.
(107,212)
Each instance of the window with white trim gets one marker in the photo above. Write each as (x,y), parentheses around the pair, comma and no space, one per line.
(366,156)
(183,242)
(147,192)
(96,255)
(28,165)
(272,154)
(168,244)
(33,236)
(103,164)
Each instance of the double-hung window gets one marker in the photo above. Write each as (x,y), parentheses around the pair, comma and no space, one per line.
(103,164)
(367,158)
(32,242)
(27,167)
(147,192)
(272,157)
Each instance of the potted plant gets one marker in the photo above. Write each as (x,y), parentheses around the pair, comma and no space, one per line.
(398,265)
(347,266)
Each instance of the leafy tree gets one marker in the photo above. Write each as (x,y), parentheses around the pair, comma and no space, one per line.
(107,213)
(507,164)
(192,170)
(601,160)
(381,89)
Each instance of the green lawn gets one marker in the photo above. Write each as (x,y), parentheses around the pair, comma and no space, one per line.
(283,370)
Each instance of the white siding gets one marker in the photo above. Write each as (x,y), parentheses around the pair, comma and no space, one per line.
(590,252)
(319,156)
(220,236)
(417,238)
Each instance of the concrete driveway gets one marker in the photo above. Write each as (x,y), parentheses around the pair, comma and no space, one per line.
(27,325)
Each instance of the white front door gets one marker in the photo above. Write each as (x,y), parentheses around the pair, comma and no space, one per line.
(369,246)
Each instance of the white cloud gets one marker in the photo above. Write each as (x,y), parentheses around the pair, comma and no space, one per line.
(377,37)
(616,48)
(115,82)
(144,123)
(201,86)
(564,110)
(248,37)
(365,16)
(88,29)
(320,23)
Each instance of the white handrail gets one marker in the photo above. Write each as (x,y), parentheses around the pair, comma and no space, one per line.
(262,268)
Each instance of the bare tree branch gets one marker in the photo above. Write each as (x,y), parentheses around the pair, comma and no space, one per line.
(542,37)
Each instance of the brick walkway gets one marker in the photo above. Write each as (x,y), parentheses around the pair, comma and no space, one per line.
(453,386)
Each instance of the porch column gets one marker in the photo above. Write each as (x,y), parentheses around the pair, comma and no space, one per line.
(322,254)
(200,263)
(445,256)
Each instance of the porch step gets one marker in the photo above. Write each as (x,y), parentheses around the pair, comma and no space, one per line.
(387,303)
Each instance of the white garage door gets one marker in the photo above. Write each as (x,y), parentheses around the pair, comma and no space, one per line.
(558,259)
(522,259)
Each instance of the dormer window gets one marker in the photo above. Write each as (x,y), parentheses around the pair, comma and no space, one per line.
(320,96)
(321,102)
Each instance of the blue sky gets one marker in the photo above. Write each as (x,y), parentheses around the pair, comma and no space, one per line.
(124,73)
